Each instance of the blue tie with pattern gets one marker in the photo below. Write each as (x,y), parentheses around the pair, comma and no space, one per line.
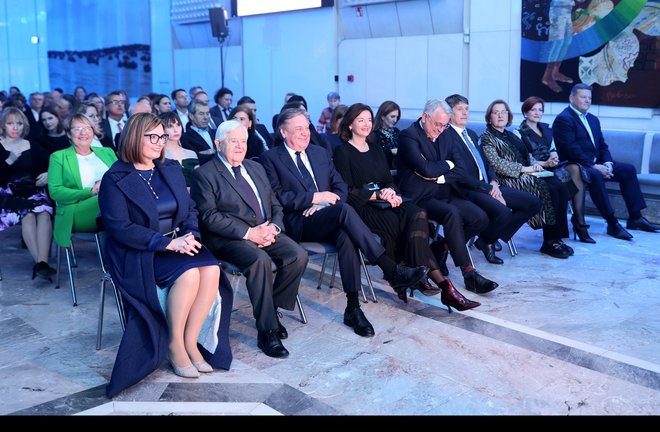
(476,155)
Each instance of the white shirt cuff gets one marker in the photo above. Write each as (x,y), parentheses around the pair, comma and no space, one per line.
(451,164)
(441,180)
(245,237)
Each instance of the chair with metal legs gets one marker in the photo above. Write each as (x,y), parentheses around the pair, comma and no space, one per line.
(327,249)
(105,278)
(234,270)
(71,261)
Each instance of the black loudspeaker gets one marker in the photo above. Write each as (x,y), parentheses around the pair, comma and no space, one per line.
(218,23)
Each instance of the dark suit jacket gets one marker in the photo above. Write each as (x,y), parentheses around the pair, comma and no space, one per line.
(130,217)
(464,178)
(35,126)
(261,128)
(286,181)
(108,139)
(224,214)
(573,142)
(217,115)
(417,157)
(191,140)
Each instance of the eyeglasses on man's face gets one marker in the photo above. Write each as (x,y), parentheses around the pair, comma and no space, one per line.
(79,130)
(439,125)
(154,138)
(116,102)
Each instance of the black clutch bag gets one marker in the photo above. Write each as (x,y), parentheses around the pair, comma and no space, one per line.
(380,204)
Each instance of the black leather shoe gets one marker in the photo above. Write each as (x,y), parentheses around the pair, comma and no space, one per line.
(497,246)
(404,276)
(270,344)
(441,253)
(642,224)
(617,231)
(360,324)
(281,330)
(426,287)
(489,251)
(554,249)
(566,247)
(476,283)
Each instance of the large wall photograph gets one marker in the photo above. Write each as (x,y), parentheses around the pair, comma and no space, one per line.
(612,45)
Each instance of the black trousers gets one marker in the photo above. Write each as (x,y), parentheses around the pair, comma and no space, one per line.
(267,290)
(505,220)
(340,225)
(460,220)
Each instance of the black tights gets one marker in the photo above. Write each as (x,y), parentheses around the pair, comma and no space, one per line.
(578,198)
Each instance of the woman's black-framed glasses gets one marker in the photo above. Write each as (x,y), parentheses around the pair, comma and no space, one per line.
(153,138)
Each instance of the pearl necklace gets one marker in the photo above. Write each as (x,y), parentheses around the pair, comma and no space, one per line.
(148,181)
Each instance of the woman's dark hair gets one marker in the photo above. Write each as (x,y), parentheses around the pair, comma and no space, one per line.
(298,98)
(384,109)
(246,110)
(50,110)
(353,111)
(169,118)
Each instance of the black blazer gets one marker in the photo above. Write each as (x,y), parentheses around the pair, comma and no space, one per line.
(217,115)
(191,140)
(224,214)
(573,142)
(417,157)
(286,181)
(39,163)
(35,126)
(261,128)
(466,177)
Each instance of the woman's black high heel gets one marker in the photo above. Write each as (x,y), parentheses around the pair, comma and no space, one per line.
(583,234)
(426,287)
(43,270)
(402,293)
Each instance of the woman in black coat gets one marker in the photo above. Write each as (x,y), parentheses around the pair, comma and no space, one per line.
(152,244)
(402,226)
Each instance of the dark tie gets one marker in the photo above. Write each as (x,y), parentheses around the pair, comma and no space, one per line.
(476,155)
(308,181)
(248,194)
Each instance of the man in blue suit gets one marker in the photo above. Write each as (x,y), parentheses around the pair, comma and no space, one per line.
(579,139)
(313,196)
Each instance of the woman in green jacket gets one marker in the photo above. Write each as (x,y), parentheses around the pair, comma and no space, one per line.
(74,178)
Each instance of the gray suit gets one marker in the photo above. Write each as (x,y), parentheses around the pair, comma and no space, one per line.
(224,218)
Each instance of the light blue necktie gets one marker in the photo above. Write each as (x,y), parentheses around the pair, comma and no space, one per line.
(476,155)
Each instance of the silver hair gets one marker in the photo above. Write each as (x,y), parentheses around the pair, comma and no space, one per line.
(434,105)
(226,127)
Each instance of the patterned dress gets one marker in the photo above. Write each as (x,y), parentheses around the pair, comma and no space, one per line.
(19,194)
(508,155)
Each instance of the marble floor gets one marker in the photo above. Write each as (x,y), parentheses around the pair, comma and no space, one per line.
(558,337)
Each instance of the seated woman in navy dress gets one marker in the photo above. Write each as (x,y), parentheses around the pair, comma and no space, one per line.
(152,244)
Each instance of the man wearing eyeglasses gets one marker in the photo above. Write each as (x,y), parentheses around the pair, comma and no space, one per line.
(505,209)
(424,171)
(241,222)
(115,107)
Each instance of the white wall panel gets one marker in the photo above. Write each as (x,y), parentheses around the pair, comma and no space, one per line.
(298,52)
(492,15)
(445,66)
(201,66)
(490,66)
(411,71)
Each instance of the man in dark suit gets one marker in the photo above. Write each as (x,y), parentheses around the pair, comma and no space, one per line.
(579,139)
(241,222)
(32,113)
(507,208)
(113,124)
(198,136)
(223,99)
(423,170)
(313,196)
